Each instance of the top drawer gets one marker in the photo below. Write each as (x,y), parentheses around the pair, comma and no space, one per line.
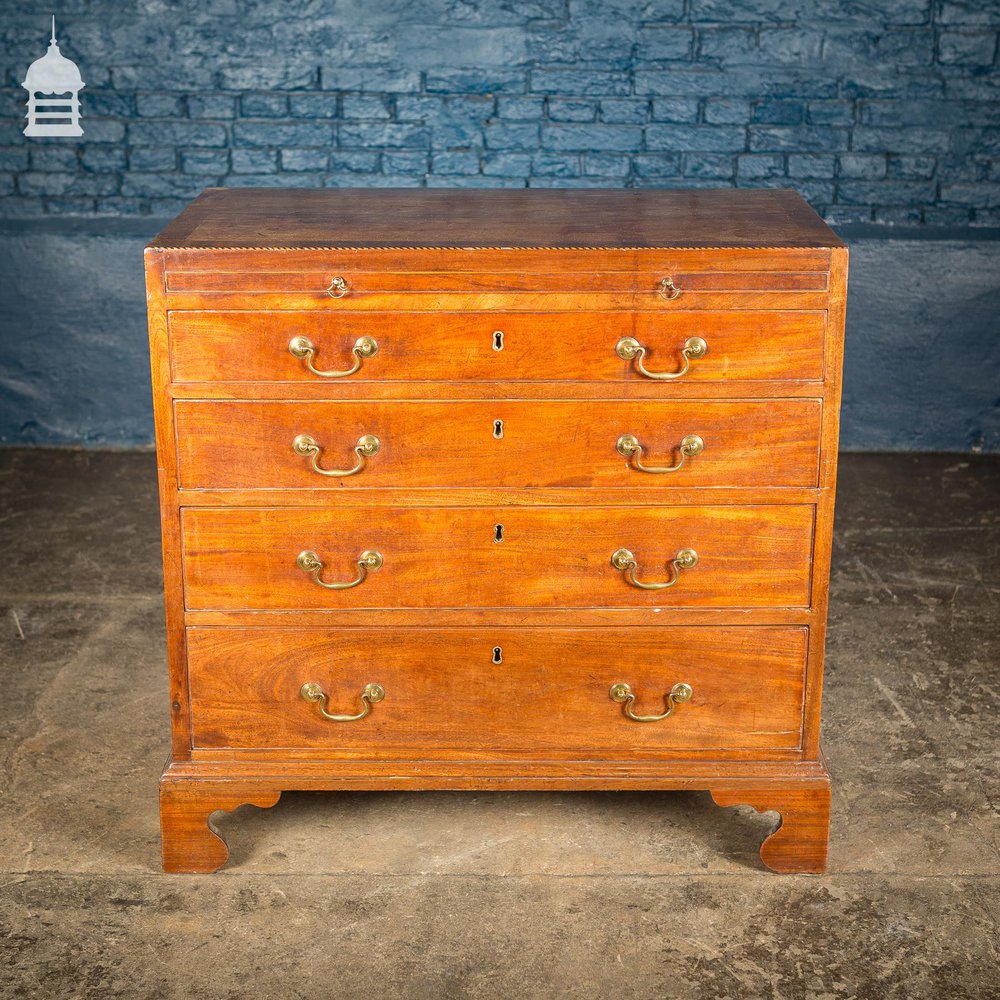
(359,285)
(436,292)
(498,279)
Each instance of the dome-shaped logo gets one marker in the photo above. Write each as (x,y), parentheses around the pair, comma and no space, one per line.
(53,84)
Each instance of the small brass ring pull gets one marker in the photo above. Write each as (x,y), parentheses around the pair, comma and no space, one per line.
(624,562)
(628,447)
(668,289)
(306,446)
(305,350)
(371,695)
(624,695)
(628,348)
(338,288)
(311,563)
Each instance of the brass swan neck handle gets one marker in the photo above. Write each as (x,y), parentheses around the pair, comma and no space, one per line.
(305,350)
(311,563)
(307,446)
(629,349)
(371,695)
(625,563)
(625,696)
(628,447)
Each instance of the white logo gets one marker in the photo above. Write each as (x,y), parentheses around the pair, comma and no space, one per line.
(57,76)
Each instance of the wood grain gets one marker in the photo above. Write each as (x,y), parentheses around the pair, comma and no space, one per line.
(190,843)
(661,261)
(170,520)
(798,791)
(550,557)
(511,443)
(550,690)
(628,388)
(376,618)
(596,300)
(823,542)
(662,772)
(271,217)
(362,282)
(226,346)
(800,843)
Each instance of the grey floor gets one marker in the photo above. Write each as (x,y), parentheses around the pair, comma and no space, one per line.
(444,895)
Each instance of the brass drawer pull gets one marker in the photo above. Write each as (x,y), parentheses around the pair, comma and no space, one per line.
(311,563)
(338,288)
(628,446)
(305,350)
(371,695)
(628,348)
(306,446)
(668,289)
(624,561)
(623,694)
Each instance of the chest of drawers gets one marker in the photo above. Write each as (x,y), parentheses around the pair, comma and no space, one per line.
(496,490)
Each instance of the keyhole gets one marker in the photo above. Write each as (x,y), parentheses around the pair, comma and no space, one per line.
(497,654)
(498,533)
(498,429)
(498,340)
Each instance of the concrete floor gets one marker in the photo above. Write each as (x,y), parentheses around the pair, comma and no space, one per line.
(443,895)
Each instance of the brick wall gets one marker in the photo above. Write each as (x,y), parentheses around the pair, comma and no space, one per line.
(876,112)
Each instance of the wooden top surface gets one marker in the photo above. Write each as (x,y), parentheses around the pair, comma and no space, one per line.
(452,218)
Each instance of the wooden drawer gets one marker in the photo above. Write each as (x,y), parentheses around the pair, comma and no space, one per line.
(347,286)
(226,346)
(249,445)
(246,558)
(444,690)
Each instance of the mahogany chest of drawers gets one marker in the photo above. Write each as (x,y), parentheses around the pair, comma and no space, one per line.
(496,490)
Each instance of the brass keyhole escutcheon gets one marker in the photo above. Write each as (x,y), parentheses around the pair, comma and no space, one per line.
(497,654)
(498,429)
(498,340)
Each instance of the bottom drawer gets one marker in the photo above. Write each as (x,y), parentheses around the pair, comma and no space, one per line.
(498,690)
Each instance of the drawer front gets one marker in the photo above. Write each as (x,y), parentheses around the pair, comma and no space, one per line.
(550,691)
(248,445)
(762,344)
(531,557)
(348,286)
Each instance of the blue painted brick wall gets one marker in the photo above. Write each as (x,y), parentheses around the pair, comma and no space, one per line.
(876,112)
